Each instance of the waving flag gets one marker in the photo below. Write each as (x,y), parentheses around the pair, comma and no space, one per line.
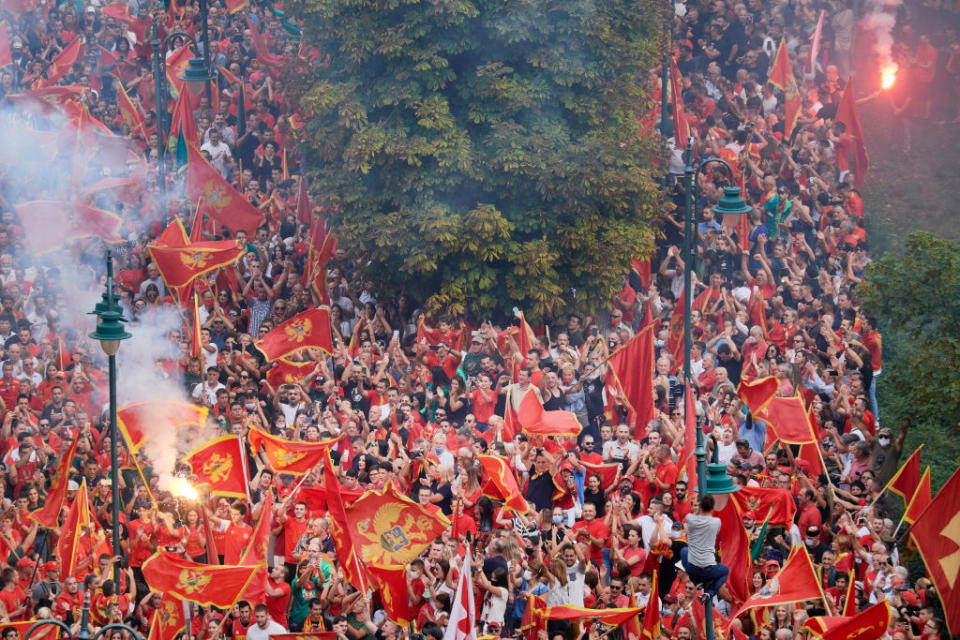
(168,619)
(287,372)
(218,198)
(921,498)
(651,617)
(795,582)
(789,420)
(391,584)
(307,329)
(206,585)
(5,57)
(390,528)
(681,128)
(936,533)
(288,456)
(129,112)
(781,76)
(49,224)
(758,392)
(609,472)
(344,539)
(500,483)
(180,266)
(611,617)
(869,624)
(76,533)
(273,63)
(778,503)
(49,514)
(62,63)
(630,371)
(173,235)
(688,462)
(535,421)
(136,420)
(462,624)
(256,553)
(907,478)
(847,114)
(218,464)
(734,546)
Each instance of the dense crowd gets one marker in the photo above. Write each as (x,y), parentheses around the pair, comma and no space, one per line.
(417,412)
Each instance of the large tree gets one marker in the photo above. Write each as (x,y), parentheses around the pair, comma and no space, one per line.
(484,154)
(916,297)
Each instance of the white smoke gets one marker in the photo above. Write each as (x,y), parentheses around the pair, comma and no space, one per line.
(881,19)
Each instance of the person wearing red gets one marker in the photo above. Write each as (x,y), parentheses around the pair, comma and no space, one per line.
(237,532)
(807,513)
(142,536)
(292,529)
(681,503)
(69,603)
(9,386)
(278,594)
(13,598)
(593,530)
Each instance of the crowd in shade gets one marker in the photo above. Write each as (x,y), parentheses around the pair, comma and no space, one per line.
(302,454)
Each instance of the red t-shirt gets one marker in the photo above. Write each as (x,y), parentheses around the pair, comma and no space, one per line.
(13,599)
(235,542)
(277,605)
(482,409)
(292,530)
(597,529)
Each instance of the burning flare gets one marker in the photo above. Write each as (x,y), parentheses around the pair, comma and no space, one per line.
(888,75)
(182,488)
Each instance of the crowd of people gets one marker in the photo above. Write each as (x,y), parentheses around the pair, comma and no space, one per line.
(417,412)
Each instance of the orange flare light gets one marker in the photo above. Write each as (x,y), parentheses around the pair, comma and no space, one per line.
(888,76)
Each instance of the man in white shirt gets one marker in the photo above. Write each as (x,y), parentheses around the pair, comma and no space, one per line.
(219,152)
(263,626)
(206,391)
(621,450)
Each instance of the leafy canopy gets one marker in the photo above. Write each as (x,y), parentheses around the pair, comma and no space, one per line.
(485,154)
(916,296)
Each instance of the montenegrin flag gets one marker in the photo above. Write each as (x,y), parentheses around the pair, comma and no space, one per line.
(500,483)
(535,421)
(180,266)
(307,329)
(219,465)
(76,527)
(771,503)
(289,456)
(49,224)
(256,553)
(796,581)
(168,619)
(390,528)
(758,392)
(136,420)
(207,585)
(287,372)
(344,539)
(869,624)
(49,514)
(391,583)
(789,420)
(217,197)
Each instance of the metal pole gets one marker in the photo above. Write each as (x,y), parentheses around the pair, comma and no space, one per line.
(114,462)
(160,92)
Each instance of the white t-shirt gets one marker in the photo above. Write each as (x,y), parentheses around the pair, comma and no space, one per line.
(256,633)
(494,606)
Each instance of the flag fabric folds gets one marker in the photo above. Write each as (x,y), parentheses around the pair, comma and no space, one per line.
(344,539)
(609,472)
(630,371)
(307,329)
(500,483)
(391,583)
(180,266)
(207,585)
(218,464)
(49,224)
(921,498)
(49,514)
(462,624)
(758,392)
(771,503)
(75,535)
(389,528)
(936,533)
(651,617)
(289,456)
(907,478)
(847,114)
(681,129)
(781,76)
(734,545)
(869,624)
(137,419)
(287,372)
(535,421)
(612,617)
(256,552)
(789,420)
(217,197)
(168,619)
(796,581)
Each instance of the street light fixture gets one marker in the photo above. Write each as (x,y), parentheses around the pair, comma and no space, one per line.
(197,76)
(109,333)
(712,478)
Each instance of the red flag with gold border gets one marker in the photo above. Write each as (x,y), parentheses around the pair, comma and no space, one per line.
(49,224)
(869,624)
(921,498)
(307,329)
(651,617)
(796,581)
(630,370)
(286,372)
(781,76)
(219,200)
(609,472)
(168,620)
(612,617)
(75,531)
(936,533)
(776,503)
(391,583)
(289,456)
(49,514)
(390,528)
(535,421)
(789,420)
(758,392)
(138,419)
(907,478)
(129,113)
(207,585)
(256,553)
(500,483)
(734,545)
(63,62)
(344,539)
(218,464)
(180,266)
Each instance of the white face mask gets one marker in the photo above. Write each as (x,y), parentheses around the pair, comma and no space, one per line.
(884,442)
(414,574)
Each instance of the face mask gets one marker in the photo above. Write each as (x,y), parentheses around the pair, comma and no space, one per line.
(250,405)
(808,541)
(528,575)
(668,612)
(884,442)
(414,575)
(439,450)
(557,519)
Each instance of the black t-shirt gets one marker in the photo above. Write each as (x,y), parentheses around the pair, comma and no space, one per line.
(540,491)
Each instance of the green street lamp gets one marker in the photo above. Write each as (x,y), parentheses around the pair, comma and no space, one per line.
(712,478)
(109,333)
(197,76)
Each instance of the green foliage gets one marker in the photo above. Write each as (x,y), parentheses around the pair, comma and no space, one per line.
(485,154)
(916,297)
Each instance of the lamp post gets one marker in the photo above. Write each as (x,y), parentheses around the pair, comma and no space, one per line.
(197,75)
(665,68)
(712,479)
(109,333)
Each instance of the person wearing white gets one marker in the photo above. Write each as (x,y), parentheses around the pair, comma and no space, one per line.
(263,626)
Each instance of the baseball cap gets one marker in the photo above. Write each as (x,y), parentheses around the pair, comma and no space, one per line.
(813,531)
(25,563)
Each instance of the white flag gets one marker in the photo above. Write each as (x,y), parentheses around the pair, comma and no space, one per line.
(463,613)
